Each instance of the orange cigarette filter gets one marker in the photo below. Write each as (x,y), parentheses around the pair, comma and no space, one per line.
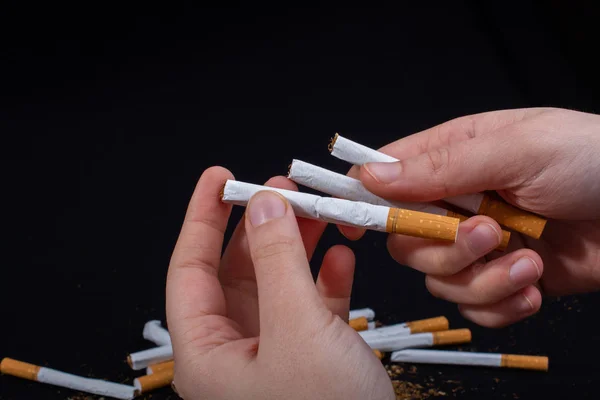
(420,224)
(19,369)
(378,354)
(359,324)
(428,325)
(162,366)
(505,234)
(539,363)
(454,336)
(512,217)
(156,380)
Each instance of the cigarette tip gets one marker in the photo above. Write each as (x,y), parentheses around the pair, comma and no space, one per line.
(222,191)
(129,361)
(332,142)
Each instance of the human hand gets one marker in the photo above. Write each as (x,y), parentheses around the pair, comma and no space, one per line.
(541,160)
(295,342)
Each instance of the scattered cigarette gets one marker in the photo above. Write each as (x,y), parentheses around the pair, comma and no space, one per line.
(470,358)
(401,341)
(160,367)
(155,355)
(408,328)
(479,203)
(352,213)
(53,377)
(345,187)
(147,383)
(154,332)
(362,312)
(361,324)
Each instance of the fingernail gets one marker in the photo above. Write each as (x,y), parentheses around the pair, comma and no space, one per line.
(525,305)
(524,272)
(483,238)
(264,207)
(384,172)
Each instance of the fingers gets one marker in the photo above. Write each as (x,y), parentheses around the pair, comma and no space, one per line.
(334,282)
(286,290)
(481,283)
(507,311)
(477,237)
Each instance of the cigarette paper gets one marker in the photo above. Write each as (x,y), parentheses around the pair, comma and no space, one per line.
(539,363)
(352,213)
(155,355)
(154,332)
(478,203)
(362,312)
(429,339)
(408,328)
(53,377)
(160,367)
(147,383)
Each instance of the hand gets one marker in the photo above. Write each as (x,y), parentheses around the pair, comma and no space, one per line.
(541,160)
(295,342)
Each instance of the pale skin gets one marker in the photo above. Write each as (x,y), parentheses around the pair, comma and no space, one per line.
(295,343)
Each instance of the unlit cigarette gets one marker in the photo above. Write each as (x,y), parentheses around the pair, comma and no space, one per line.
(345,187)
(478,203)
(155,355)
(352,213)
(154,332)
(147,383)
(362,312)
(160,367)
(53,377)
(468,358)
(429,339)
(408,328)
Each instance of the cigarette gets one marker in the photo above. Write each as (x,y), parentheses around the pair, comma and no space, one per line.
(155,355)
(361,324)
(409,328)
(362,312)
(479,203)
(352,213)
(147,383)
(345,187)
(539,363)
(160,367)
(154,332)
(401,341)
(57,378)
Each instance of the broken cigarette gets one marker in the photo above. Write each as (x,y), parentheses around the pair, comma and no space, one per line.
(53,377)
(154,332)
(352,213)
(362,312)
(160,367)
(408,328)
(401,341)
(539,363)
(479,203)
(345,187)
(147,383)
(361,324)
(155,355)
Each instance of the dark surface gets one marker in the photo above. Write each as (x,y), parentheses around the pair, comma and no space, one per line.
(109,116)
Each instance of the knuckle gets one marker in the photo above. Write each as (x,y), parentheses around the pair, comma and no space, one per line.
(274,249)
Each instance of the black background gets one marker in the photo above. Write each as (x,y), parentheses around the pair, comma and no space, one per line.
(109,116)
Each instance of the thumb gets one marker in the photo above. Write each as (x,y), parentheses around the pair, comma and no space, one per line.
(469,166)
(286,290)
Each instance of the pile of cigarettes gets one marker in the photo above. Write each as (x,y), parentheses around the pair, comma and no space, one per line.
(351,204)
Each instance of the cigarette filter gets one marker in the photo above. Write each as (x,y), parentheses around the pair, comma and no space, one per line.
(352,213)
(407,328)
(57,378)
(154,332)
(505,214)
(429,339)
(361,324)
(362,312)
(160,367)
(147,383)
(539,363)
(155,355)
(345,187)
(378,354)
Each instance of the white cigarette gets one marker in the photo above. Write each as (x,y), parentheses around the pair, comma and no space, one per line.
(408,328)
(154,332)
(470,358)
(352,213)
(477,203)
(401,341)
(362,312)
(155,355)
(63,379)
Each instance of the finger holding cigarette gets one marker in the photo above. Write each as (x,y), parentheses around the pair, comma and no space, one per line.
(387,343)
